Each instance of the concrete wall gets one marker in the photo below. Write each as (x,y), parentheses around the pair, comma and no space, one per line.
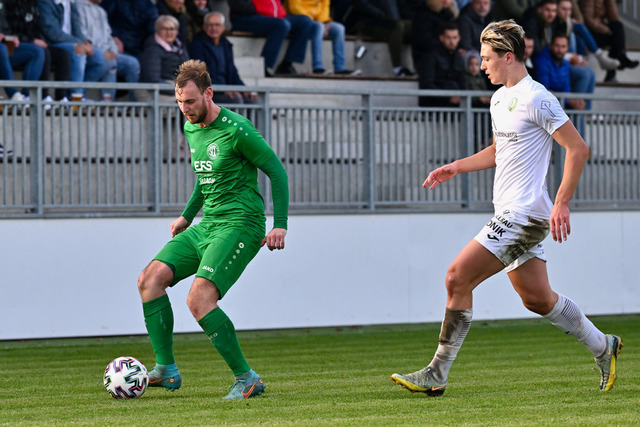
(78,277)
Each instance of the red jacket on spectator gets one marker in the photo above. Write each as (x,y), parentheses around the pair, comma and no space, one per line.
(272,8)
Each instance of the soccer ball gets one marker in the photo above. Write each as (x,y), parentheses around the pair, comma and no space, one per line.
(126,377)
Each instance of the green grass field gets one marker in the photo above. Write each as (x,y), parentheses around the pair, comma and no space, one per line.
(519,372)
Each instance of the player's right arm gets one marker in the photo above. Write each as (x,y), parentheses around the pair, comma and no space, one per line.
(190,211)
(484,159)
(178,226)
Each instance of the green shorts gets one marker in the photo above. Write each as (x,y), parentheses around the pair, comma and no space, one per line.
(218,251)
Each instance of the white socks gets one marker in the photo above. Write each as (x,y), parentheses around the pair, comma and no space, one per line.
(567,316)
(455,327)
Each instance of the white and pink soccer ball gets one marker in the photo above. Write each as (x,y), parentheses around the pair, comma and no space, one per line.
(126,378)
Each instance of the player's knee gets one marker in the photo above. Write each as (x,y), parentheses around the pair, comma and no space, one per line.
(153,279)
(537,304)
(203,297)
(453,282)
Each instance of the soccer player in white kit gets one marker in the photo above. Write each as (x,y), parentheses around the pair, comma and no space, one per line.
(526,119)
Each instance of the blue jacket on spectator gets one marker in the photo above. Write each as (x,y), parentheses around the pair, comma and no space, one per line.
(202,48)
(555,77)
(51,18)
(132,21)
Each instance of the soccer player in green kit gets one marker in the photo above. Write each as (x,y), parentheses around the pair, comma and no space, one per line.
(226,151)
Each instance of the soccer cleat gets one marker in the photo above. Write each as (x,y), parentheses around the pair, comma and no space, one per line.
(607,362)
(246,386)
(166,376)
(421,381)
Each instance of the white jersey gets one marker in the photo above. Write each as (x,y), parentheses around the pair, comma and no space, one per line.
(523,118)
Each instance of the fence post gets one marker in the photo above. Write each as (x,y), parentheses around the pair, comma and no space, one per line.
(37,154)
(369,150)
(155,152)
(467,148)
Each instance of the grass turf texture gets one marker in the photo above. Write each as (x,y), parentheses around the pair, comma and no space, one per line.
(516,372)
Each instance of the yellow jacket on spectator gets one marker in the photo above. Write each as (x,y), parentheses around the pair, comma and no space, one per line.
(317,10)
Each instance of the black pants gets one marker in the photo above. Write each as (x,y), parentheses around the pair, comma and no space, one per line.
(615,41)
(57,60)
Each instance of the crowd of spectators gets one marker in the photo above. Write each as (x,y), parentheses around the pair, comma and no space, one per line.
(146,40)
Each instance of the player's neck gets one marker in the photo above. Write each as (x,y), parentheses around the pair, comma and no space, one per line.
(516,74)
(213,113)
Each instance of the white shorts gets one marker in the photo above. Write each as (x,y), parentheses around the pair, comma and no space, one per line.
(514,239)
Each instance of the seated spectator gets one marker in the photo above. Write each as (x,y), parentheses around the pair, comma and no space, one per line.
(342,12)
(95,25)
(162,54)
(213,48)
(14,53)
(529,48)
(381,20)
(429,17)
(318,11)
(474,79)
(540,23)
(132,22)
(196,10)
(601,17)
(554,72)
(580,38)
(176,9)
(510,9)
(443,69)
(269,19)
(60,24)
(472,20)
(24,19)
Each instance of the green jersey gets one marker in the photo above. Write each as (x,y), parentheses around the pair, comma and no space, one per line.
(225,156)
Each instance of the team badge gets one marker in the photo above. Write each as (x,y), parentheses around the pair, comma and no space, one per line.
(213,151)
(546,106)
(512,104)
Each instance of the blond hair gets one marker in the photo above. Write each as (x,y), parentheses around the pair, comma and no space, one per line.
(504,36)
(194,71)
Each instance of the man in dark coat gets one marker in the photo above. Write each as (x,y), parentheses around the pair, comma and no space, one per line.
(215,50)
(443,69)
(132,21)
(473,18)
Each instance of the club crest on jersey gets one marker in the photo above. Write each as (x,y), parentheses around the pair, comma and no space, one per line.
(213,151)
(512,104)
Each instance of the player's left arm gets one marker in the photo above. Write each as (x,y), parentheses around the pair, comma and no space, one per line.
(255,148)
(274,169)
(569,138)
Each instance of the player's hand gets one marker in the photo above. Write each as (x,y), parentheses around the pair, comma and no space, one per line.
(559,223)
(178,226)
(275,239)
(442,174)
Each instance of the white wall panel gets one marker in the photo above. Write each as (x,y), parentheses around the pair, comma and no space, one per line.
(78,277)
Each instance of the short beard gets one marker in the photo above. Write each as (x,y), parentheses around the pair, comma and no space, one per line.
(202,117)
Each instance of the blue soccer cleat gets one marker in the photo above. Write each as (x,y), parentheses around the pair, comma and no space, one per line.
(166,376)
(246,385)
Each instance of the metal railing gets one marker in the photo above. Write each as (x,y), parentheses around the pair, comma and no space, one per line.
(344,151)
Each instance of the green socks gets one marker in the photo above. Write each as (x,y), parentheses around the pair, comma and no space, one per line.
(158,318)
(220,330)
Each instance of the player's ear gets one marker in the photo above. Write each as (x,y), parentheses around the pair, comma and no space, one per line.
(509,57)
(208,92)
